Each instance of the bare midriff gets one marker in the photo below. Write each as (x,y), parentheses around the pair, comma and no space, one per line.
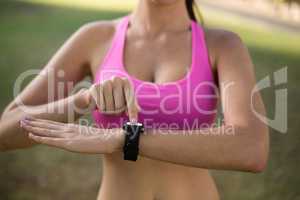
(149,179)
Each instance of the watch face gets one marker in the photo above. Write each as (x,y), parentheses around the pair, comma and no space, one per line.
(133,127)
(134,124)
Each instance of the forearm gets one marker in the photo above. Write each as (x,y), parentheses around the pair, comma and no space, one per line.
(226,148)
(212,148)
(12,136)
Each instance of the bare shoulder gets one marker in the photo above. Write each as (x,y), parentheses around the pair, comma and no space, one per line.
(94,39)
(222,39)
(97,30)
(222,43)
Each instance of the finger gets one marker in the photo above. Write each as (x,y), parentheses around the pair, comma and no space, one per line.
(44,121)
(98,96)
(52,123)
(108,96)
(92,91)
(42,131)
(118,94)
(43,124)
(132,106)
(55,142)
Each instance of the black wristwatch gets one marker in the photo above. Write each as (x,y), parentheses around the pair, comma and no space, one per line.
(133,131)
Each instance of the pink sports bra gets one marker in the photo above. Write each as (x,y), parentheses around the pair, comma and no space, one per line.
(189,103)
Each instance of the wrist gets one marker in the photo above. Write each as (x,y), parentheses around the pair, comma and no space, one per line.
(117,140)
(133,131)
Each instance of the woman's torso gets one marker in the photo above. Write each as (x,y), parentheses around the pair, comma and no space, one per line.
(169,52)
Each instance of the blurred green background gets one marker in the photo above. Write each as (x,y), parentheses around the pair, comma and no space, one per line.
(31,32)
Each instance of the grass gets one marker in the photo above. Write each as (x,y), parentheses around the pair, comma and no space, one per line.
(31,31)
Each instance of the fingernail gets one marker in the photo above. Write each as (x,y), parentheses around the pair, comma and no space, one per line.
(22,123)
(28,118)
(31,136)
(133,120)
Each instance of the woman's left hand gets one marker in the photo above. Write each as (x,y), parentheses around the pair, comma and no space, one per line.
(73,137)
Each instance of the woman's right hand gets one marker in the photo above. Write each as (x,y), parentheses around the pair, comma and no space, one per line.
(115,96)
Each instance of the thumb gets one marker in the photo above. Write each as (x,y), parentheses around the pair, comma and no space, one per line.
(95,95)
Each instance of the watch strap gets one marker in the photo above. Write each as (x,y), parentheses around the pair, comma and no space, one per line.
(132,137)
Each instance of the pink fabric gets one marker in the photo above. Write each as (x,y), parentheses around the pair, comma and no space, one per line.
(189,103)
